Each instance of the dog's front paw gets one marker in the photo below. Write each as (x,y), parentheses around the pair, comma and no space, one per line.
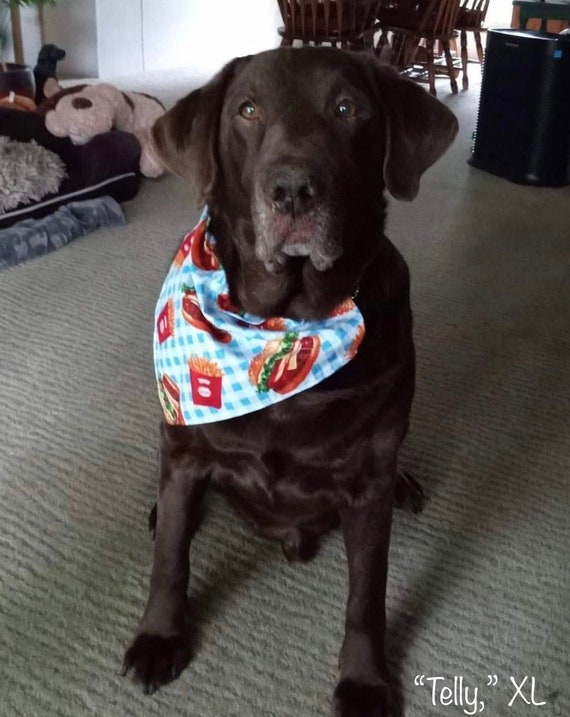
(354,699)
(155,661)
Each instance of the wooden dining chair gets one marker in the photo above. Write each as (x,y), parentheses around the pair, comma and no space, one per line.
(411,23)
(470,19)
(348,24)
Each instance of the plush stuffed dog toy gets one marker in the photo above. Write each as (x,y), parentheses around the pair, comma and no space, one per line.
(83,111)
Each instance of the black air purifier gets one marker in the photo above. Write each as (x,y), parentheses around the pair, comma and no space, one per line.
(523,125)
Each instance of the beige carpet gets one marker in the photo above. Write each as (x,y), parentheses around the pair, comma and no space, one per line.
(479,583)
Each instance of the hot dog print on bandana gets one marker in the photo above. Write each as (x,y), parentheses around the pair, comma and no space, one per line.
(213,362)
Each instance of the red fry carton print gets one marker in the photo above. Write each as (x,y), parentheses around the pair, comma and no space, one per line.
(206,382)
(165,322)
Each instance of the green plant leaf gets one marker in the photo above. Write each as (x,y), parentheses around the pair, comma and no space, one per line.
(27,3)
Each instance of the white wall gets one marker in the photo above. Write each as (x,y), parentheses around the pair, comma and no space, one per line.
(119,36)
(499,13)
(205,34)
(72,25)
(110,38)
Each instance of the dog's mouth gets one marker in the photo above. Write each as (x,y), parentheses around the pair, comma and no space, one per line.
(296,235)
(311,235)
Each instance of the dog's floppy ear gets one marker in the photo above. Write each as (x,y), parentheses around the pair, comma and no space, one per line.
(419,129)
(184,138)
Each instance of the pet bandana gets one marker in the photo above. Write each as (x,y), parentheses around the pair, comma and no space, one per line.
(214,362)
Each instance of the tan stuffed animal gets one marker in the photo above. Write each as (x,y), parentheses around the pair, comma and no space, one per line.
(83,111)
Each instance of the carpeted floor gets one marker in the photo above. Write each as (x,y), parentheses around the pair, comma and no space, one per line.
(479,583)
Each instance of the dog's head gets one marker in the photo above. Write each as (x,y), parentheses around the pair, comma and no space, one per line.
(305,140)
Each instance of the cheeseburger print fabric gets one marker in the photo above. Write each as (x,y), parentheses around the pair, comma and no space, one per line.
(214,362)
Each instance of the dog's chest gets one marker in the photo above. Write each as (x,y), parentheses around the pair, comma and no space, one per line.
(284,475)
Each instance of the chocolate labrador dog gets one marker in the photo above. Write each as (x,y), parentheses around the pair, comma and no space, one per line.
(292,150)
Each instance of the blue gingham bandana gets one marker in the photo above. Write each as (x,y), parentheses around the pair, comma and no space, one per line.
(214,362)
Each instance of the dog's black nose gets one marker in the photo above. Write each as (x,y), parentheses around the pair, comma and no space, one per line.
(292,190)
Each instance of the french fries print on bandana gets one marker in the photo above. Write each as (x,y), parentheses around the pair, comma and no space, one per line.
(214,362)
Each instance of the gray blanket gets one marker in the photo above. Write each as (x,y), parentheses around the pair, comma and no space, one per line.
(36,237)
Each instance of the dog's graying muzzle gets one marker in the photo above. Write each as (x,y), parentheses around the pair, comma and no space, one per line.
(294,216)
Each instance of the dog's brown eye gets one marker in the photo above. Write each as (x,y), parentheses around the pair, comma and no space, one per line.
(248,110)
(346,109)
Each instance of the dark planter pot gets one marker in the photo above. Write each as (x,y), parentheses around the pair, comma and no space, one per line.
(18,79)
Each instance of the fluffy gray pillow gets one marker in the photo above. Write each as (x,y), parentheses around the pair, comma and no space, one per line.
(28,172)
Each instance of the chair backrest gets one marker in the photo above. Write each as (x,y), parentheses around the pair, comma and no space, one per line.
(318,19)
(472,13)
(439,17)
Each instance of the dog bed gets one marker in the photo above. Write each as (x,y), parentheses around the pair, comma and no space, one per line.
(105,166)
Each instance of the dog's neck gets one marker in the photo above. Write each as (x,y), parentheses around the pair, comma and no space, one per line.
(298,291)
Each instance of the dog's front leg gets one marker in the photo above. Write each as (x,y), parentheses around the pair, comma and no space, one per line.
(160,649)
(363,689)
